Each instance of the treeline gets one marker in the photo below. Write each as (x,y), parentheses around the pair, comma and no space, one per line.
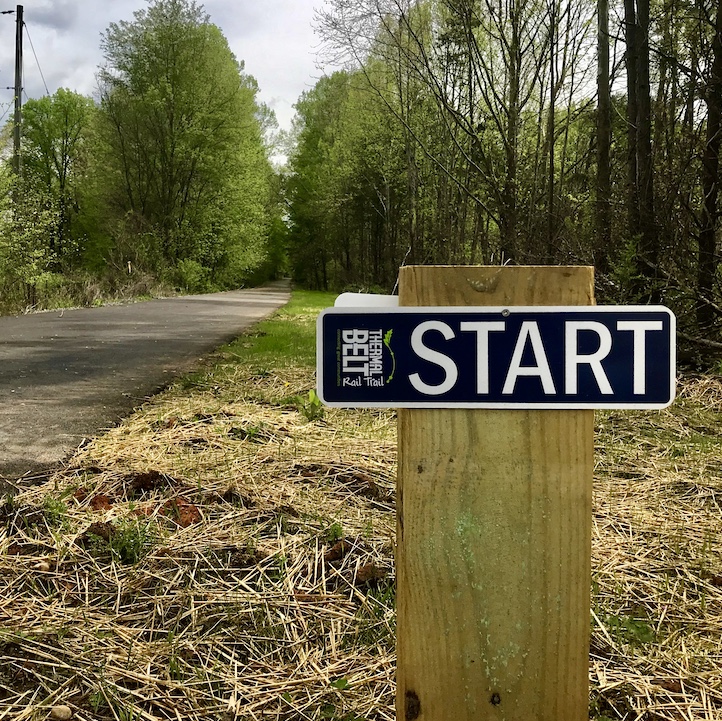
(481,131)
(166,178)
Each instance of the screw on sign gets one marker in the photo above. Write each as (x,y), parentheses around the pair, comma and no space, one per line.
(495,372)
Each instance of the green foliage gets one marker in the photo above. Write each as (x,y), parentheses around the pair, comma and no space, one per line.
(56,152)
(28,216)
(630,630)
(375,624)
(128,541)
(311,246)
(292,327)
(331,713)
(183,144)
(334,533)
(192,276)
(167,179)
(97,700)
(458,141)
(55,511)
(310,406)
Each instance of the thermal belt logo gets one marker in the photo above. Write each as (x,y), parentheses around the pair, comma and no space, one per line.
(362,357)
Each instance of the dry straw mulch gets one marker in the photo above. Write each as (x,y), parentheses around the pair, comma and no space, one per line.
(656,649)
(211,558)
(219,556)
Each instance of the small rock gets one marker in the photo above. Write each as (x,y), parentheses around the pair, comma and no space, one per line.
(61,713)
(42,566)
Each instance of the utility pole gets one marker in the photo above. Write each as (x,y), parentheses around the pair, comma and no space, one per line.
(18,88)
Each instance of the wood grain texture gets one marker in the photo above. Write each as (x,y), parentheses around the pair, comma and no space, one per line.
(494,534)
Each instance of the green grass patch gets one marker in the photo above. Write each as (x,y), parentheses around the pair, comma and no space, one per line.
(286,339)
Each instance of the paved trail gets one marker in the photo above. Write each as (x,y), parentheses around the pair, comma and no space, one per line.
(65,375)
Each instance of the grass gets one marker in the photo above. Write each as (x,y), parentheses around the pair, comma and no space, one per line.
(80,289)
(227,553)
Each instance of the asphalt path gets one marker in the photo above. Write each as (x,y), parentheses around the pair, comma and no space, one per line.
(65,375)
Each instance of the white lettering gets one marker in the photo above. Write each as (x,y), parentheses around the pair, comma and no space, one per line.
(355,336)
(639,328)
(427,354)
(573,359)
(376,350)
(530,330)
(482,330)
(362,352)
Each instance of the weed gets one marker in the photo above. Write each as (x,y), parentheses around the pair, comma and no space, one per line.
(375,621)
(627,629)
(128,542)
(277,572)
(191,381)
(333,533)
(330,712)
(310,407)
(97,700)
(613,703)
(55,511)
(174,667)
(368,531)
(126,713)
(253,433)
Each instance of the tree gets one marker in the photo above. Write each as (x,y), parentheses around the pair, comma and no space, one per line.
(604,137)
(28,217)
(55,134)
(311,209)
(183,137)
(498,149)
(708,260)
(484,65)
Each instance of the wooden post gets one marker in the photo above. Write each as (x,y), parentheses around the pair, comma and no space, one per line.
(494,534)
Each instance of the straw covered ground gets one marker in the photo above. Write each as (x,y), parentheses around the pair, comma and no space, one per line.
(227,553)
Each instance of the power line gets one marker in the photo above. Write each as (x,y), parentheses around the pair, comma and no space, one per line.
(37,62)
(7,110)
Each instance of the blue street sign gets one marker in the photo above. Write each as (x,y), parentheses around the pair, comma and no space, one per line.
(516,357)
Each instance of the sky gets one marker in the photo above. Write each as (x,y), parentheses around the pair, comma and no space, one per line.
(275,38)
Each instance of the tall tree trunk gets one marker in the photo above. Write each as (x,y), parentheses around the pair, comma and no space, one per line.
(707,259)
(642,226)
(551,226)
(630,28)
(509,216)
(648,251)
(604,141)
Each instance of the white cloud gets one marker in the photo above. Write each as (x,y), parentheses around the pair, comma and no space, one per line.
(274,37)
(59,15)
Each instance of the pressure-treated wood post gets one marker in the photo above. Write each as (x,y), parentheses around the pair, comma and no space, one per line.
(494,534)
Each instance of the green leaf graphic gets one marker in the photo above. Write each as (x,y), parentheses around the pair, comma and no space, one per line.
(387,343)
